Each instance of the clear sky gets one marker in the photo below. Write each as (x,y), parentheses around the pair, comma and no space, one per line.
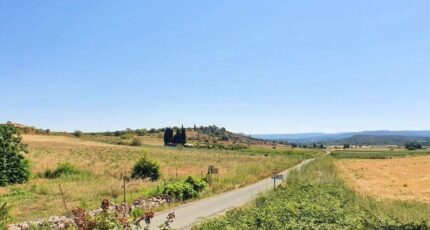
(251,66)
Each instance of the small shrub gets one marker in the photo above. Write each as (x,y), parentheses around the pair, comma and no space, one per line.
(64,169)
(136,142)
(184,189)
(77,133)
(180,190)
(126,136)
(146,168)
(106,221)
(197,183)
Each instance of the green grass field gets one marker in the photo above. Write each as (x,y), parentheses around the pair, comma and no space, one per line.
(378,154)
(316,198)
(103,164)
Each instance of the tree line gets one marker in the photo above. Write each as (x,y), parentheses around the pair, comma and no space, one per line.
(171,138)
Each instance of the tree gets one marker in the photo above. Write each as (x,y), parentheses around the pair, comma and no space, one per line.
(77,133)
(13,167)
(168,136)
(145,168)
(413,146)
(183,139)
(177,137)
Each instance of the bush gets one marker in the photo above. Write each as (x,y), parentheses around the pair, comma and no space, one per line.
(77,133)
(146,168)
(13,167)
(180,190)
(136,142)
(184,189)
(64,169)
(197,183)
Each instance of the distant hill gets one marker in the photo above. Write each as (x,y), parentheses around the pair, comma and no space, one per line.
(27,129)
(380,140)
(364,136)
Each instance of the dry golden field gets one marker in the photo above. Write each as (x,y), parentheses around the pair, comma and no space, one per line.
(399,179)
(104,164)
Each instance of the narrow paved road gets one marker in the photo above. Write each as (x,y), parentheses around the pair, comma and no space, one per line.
(189,214)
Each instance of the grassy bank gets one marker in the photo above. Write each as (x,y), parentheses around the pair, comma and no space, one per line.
(101,166)
(316,198)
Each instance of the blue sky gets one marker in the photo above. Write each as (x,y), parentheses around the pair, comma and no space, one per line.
(250,66)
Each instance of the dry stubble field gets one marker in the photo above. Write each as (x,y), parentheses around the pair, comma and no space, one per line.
(398,179)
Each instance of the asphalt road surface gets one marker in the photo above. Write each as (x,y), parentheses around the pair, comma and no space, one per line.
(191,213)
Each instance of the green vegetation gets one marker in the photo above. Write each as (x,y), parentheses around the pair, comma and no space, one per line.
(13,167)
(4,215)
(316,198)
(180,137)
(377,154)
(302,153)
(64,169)
(413,146)
(181,190)
(146,168)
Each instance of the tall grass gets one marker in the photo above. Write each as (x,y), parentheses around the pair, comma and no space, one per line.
(4,215)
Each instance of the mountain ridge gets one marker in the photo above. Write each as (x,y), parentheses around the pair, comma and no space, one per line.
(334,137)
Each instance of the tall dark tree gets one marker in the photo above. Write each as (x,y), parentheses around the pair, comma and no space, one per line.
(183,135)
(177,137)
(168,136)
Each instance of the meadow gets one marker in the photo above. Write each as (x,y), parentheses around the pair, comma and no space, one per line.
(317,198)
(102,165)
(383,153)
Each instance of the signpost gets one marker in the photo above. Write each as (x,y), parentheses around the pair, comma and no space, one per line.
(211,170)
(277,177)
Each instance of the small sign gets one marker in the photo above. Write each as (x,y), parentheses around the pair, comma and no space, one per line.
(212,170)
(278,177)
